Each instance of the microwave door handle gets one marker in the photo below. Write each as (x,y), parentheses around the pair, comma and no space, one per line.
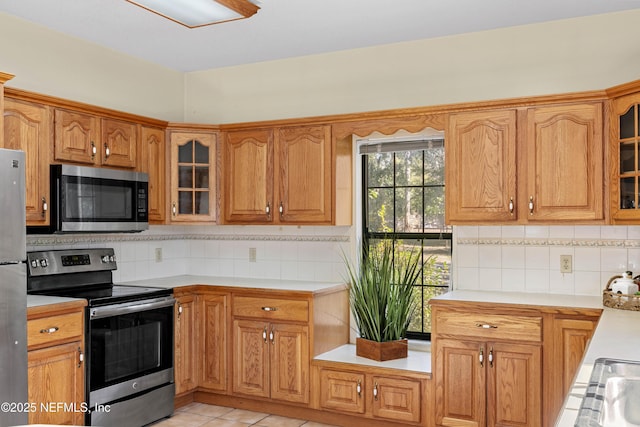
(118,309)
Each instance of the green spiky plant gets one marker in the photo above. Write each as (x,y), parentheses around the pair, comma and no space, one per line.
(381,289)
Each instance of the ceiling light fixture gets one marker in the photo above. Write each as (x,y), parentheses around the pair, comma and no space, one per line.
(198,13)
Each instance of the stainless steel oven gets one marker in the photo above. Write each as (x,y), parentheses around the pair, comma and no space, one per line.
(128,335)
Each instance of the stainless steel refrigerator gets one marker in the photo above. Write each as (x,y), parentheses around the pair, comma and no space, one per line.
(13,290)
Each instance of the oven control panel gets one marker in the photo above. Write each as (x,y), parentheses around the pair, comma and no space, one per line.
(44,263)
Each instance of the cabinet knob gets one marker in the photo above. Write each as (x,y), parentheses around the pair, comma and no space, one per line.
(49,330)
(45,206)
(531,205)
(267,308)
(179,310)
(94,150)
(264,335)
(80,357)
(511,206)
(359,388)
(281,209)
(481,357)
(491,357)
(272,337)
(267,210)
(173,208)
(107,152)
(375,391)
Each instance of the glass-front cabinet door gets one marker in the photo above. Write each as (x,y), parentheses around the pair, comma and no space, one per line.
(193,177)
(625,131)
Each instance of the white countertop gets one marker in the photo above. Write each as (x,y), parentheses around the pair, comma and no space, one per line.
(617,335)
(241,282)
(416,361)
(38,300)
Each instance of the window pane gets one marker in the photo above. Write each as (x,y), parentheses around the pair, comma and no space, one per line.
(627,193)
(185,202)
(434,165)
(380,210)
(202,153)
(185,153)
(434,209)
(201,177)
(185,177)
(409,210)
(202,203)
(380,170)
(627,158)
(436,262)
(416,323)
(627,124)
(409,168)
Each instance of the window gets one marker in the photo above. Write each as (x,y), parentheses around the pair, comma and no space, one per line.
(403,201)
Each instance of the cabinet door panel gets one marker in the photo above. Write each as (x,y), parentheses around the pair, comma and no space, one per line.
(396,399)
(481,166)
(460,383)
(514,385)
(248,176)
(305,169)
(250,358)
(565,162)
(186,345)
(213,372)
(119,143)
(342,391)
(59,378)
(76,135)
(27,127)
(152,161)
(290,363)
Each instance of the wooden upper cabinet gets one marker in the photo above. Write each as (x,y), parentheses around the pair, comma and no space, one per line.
(278,176)
(565,157)
(27,127)
(624,168)
(539,164)
(85,138)
(193,177)
(480,153)
(248,176)
(151,160)
(304,171)
(119,143)
(76,137)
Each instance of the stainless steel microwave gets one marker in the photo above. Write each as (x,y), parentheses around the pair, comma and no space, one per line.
(88,199)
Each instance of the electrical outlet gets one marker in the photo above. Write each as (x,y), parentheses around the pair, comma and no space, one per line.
(252,254)
(158,254)
(566,264)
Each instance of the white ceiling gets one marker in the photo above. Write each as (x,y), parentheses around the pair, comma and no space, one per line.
(289,28)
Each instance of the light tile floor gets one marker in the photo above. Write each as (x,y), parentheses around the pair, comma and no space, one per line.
(203,415)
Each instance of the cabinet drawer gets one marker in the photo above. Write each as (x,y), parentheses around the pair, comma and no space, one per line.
(53,329)
(271,308)
(490,326)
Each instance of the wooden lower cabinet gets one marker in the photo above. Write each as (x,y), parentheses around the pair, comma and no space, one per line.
(186,353)
(488,383)
(271,360)
(55,344)
(364,391)
(505,364)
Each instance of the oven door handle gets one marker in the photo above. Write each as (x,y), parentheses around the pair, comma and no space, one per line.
(130,307)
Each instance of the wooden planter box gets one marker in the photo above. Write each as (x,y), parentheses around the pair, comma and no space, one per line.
(381,351)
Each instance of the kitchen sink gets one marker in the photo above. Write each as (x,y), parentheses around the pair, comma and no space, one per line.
(613,395)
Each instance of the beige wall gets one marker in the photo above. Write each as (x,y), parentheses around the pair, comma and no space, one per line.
(563,56)
(52,63)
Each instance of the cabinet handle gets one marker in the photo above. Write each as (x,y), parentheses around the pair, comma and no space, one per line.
(281,209)
(267,210)
(485,326)
(375,391)
(173,208)
(49,330)
(107,152)
(531,205)
(269,308)
(359,388)
(94,150)
(272,337)
(264,335)
(179,310)
(481,357)
(511,206)
(80,357)
(45,206)
(491,357)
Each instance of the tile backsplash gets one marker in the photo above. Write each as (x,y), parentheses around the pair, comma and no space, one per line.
(287,252)
(507,258)
(527,258)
